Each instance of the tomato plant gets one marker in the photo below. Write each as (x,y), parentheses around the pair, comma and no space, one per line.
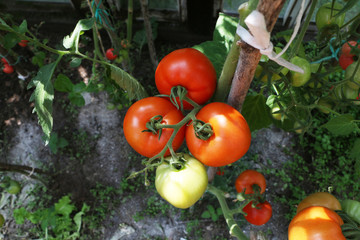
(323,199)
(149,143)
(316,223)
(247,179)
(110,54)
(325,16)
(259,214)
(351,208)
(182,185)
(300,79)
(230,139)
(23,43)
(190,69)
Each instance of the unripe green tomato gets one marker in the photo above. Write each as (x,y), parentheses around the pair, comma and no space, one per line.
(345,92)
(349,72)
(275,112)
(326,103)
(184,187)
(298,128)
(2,220)
(300,79)
(324,16)
(14,187)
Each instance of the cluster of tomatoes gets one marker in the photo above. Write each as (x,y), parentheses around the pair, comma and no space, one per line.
(251,184)
(156,127)
(317,218)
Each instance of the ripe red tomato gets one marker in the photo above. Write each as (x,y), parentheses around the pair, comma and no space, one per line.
(316,223)
(110,54)
(247,179)
(230,140)
(189,68)
(23,43)
(4,61)
(149,144)
(346,49)
(259,215)
(8,69)
(345,61)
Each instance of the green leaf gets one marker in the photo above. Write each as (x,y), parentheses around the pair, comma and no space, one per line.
(355,151)
(225,29)
(63,84)
(79,87)
(341,125)
(216,52)
(349,5)
(23,27)
(20,215)
(43,97)
(72,40)
(75,62)
(256,112)
(206,214)
(10,40)
(77,99)
(78,217)
(39,58)
(64,206)
(128,83)
(4,26)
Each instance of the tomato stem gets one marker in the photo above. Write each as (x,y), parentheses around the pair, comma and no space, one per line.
(235,230)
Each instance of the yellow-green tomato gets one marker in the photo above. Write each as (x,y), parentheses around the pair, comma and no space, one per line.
(300,79)
(325,15)
(354,77)
(276,112)
(346,92)
(324,102)
(2,220)
(182,187)
(298,127)
(13,187)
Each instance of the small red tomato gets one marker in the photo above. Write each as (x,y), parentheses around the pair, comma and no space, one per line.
(346,48)
(258,215)
(247,179)
(23,43)
(3,60)
(110,54)
(345,61)
(8,69)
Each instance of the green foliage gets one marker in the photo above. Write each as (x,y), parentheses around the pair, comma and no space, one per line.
(43,97)
(64,84)
(212,213)
(72,41)
(253,107)
(56,142)
(60,221)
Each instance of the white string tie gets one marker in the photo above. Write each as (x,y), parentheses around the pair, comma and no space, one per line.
(260,39)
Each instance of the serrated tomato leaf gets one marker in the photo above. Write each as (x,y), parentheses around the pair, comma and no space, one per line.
(256,112)
(341,125)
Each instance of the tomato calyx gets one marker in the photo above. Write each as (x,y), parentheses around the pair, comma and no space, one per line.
(153,125)
(202,130)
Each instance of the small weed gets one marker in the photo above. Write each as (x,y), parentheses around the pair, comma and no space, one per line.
(212,213)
